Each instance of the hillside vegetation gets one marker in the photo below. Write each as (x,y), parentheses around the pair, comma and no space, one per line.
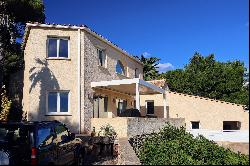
(174,146)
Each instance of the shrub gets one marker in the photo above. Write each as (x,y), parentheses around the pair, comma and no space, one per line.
(108,131)
(174,146)
(5,105)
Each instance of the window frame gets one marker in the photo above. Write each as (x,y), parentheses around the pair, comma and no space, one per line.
(58,38)
(58,103)
(191,123)
(104,57)
(146,105)
(231,123)
(137,74)
(124,68)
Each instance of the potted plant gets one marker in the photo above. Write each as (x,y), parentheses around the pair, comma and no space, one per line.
(107,133)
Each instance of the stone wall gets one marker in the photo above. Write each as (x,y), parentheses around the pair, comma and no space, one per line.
(138,126)
(95,73)
(129,126)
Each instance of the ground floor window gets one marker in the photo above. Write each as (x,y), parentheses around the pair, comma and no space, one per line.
(58,102)
(150,107)
(195,125)
(231,125)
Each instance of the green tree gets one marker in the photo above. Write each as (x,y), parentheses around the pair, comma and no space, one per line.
(150,69)
(204,76)
(13,17)
(14,14)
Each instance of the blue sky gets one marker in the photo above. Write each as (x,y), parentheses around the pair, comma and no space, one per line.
(169,29)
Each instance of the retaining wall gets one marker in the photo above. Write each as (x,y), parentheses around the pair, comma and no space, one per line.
(131,126)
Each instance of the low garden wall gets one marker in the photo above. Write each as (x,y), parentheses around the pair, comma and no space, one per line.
(131,126)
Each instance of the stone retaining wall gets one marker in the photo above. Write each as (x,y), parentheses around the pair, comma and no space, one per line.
(138,126)
(131,126)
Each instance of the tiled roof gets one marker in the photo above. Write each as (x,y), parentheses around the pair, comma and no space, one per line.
(160,83)
(70,26)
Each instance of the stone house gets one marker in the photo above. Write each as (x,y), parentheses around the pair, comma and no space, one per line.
(72,74)
(76,76)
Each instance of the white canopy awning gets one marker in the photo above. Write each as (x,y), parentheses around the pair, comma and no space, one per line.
(133,86)
(128,86)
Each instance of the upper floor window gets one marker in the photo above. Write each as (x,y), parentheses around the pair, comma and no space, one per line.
(136,73)
(120,68)
(58,47)
(101,57)
(58,102)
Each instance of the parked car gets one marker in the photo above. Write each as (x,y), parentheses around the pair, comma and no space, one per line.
(39,143)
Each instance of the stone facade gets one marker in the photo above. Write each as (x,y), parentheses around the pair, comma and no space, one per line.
(94,73)
(139,126)
(42,74)
(210,113)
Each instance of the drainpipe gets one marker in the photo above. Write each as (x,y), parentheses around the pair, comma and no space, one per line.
(79,79)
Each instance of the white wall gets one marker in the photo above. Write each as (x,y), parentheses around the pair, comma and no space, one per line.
(232,136)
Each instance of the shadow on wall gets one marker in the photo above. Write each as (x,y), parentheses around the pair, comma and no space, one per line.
(42,76)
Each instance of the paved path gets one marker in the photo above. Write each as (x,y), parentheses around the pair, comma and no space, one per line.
(127,154)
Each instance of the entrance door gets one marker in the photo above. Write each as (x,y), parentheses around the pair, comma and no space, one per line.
(150,107)
(121,106)
(100,107)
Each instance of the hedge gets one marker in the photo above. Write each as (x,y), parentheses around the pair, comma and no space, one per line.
(175,146)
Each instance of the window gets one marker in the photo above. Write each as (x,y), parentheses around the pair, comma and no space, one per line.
(58,48)
(136,73)
(101,58)
(45,137)
(150,107)
(120,68)
(195,125)
(231,125)
(58,102)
